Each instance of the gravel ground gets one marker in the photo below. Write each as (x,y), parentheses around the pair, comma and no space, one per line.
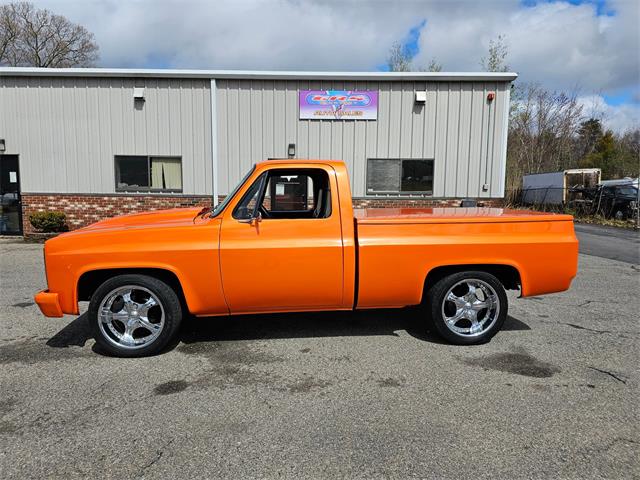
(362,395)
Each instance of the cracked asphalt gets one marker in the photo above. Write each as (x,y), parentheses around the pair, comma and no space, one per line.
(358,395)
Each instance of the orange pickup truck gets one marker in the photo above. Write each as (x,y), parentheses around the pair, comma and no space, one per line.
(287,239)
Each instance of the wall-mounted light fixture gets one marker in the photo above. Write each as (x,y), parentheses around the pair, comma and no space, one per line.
(491,96)
(291,150)
(138,93)
(2,146)
(421,97)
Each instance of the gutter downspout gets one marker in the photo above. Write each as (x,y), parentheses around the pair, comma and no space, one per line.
(214,141)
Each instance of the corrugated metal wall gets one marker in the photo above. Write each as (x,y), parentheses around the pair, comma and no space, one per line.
(457,127)
(67,130)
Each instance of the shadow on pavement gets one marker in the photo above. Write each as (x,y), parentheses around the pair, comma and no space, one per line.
(317,325)
(288,325)
(75,334)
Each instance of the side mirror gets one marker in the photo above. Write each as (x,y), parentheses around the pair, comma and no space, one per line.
(252,220)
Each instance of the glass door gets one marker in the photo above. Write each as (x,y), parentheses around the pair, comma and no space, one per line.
(10,204)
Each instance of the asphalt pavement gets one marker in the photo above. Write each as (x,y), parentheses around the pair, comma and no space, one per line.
(609,242)
(348,395)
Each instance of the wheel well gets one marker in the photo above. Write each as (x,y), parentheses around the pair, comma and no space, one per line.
(90,281)
(508,275)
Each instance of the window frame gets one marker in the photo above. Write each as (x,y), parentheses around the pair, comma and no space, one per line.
(264,178)
(400,193)
(147,189)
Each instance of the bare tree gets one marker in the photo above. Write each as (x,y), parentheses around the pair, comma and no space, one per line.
(542,133)
(39,38)
(434,66)
(399,60)
(8,33)
(496,60)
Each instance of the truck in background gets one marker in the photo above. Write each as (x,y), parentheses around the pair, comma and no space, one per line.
(559,188)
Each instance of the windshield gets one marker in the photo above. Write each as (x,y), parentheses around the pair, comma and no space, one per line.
(221,206)
(627,191)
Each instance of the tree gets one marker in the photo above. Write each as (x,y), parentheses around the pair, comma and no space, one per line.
(496,60)
(8,33)
(434,66)
(542,132)
(589,134)
(399,60)
(39,38)
(603,156)
(617,156)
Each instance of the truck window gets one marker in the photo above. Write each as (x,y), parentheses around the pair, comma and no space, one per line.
(246,207)
(287,194)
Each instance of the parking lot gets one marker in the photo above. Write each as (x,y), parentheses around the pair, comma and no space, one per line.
(360,395)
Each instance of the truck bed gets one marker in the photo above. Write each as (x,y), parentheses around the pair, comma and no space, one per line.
(399,248)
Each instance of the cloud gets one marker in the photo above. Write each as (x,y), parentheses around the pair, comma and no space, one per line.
(245,34)
(619,118)
(591,47)
(561,45)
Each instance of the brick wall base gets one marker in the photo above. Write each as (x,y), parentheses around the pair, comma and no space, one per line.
(82,209)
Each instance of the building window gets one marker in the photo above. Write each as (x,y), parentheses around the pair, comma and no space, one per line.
(398,176)
(135,173)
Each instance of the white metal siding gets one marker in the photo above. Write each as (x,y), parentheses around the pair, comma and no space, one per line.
(67,130)
(456,127)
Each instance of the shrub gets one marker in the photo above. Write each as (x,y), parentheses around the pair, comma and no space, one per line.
(48,221)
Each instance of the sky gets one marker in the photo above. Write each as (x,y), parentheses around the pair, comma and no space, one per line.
(588,47)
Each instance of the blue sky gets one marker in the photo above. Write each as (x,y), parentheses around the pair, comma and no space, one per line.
(587,47)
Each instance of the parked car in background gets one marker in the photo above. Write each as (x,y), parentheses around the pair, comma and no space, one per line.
(618,201)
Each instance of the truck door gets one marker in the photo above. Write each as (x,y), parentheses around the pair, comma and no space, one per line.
(281,243)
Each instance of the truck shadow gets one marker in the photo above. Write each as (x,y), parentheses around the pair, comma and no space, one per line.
(317,325)
(287,325)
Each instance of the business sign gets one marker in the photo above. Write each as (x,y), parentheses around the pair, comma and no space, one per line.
(338,105)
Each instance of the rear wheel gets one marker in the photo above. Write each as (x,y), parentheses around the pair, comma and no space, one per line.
(467,308)
(134,315)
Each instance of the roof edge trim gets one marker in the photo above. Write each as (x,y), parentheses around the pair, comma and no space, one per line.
(254,74)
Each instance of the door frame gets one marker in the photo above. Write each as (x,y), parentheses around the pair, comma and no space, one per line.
(20,231)
(336,216)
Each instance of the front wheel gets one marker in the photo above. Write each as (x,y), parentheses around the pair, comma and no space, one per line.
(467,308)
(134,315)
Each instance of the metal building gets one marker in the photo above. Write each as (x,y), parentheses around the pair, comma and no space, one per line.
(98,142)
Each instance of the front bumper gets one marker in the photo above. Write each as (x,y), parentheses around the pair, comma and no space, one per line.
(48,303)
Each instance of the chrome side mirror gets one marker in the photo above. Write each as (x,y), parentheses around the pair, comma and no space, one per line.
(252,220)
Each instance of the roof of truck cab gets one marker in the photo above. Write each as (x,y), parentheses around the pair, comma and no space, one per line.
(452,215)
(301,161)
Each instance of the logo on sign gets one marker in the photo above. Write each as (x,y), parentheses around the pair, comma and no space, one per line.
(356,100)
(338,104)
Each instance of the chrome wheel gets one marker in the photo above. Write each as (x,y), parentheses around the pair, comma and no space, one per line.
(470,307)
(131,317)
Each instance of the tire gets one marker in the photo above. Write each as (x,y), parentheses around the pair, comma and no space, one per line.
(619,214)
(134,315)
(465,331)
